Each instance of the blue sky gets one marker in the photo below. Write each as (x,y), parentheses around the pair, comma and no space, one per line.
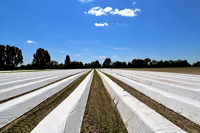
(89,30)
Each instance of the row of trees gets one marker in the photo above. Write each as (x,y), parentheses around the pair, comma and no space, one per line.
(11,57)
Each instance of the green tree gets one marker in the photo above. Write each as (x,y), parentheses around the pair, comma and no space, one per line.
(2,56)
(119,64)
(107,63)
(41,59)
(67,61)
(53,64)
(129,65)
(18,56)
(13,57)
(197,64)
(147,62)
(138,63)
(95,64)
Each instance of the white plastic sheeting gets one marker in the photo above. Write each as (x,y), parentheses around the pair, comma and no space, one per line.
(26,87)
(185,80)
(176,89)
(67,117)
(193,83)
(184,106)
(172,76)
(8,77)
(32,77)
(136,116)
(13,109)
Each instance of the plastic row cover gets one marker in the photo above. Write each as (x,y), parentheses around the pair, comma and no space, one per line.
(15,108)
(172,76)
(67,117)
(32,77)
(136,116)
(179,90)
(169,79)
(7,77)
(26,87)
(184,106)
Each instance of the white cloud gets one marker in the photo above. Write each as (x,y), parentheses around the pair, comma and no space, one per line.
(29,41)
(77,55)
(99,57)
(85,1)
(126,12)
(101,24)
(62,52)
(107,9)
(98,11)
(121,48)
(134,3)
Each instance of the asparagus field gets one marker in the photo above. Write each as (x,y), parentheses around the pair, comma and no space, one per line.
(103,100)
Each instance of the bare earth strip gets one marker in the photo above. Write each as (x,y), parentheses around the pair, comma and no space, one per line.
(172,116)
(27,122)
(101,114)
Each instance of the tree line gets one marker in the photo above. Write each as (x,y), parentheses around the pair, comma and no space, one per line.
(11,57)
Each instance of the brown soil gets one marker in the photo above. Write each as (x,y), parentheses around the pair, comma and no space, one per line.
(175,118)
(101,115)
(27,122)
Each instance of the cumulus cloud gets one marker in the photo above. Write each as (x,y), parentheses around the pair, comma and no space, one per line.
(85,1)
(101,24)
(126,12)
(98,11)
(29,41)
(107,9)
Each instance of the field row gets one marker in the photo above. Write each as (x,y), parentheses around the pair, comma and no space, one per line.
(75,113)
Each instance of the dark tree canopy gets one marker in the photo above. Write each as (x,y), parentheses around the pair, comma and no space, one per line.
(76,64)
(53,64)
(107,63)
(67,61)
(10,57)
(119,64)
(197,64)
(41,59)
(95,64)
(138,63)
(2,56)
(147,62)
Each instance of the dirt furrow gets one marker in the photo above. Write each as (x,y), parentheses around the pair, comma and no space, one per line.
(101,114)
(174,117)
(28,121)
